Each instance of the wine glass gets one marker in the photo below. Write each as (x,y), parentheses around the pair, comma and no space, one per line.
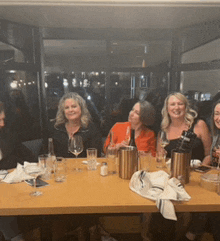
(128,135)
(76,147)
(161,155)
(163,139)
(34,171)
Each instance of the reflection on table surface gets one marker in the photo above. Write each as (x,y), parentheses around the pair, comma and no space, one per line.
(89,192)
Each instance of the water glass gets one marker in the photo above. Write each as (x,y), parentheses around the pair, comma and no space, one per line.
(111,155)
(145,161)
(60,170)
(160,160)
(91,158)
(46,162)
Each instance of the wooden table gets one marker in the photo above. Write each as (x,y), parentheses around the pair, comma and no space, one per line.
(87,192)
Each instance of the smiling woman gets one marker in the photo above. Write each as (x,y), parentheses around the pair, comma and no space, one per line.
(72,119)
(178,116)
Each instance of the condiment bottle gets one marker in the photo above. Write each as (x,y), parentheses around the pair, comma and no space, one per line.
(104,169)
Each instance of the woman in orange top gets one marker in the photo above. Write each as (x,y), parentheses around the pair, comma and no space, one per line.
(140,118)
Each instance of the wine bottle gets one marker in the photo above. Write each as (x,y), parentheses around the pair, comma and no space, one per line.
(134,150)
(112,144)
(186,141)
(132,140)
(51,154)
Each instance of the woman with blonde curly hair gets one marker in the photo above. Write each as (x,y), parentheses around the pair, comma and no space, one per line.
(73,118)
(177,116)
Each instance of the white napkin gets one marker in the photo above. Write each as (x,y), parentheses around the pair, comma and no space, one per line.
(193,163)
(18,175)
(158,187)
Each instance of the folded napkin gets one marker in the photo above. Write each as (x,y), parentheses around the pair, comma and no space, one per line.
(18,175)
(158,187)
(193,163)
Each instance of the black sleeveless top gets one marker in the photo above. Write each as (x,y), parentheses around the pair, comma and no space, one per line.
(197,151)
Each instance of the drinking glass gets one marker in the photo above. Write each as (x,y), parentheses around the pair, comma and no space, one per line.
(128,135)
(144,161)
(76,147)
(163,138)
(46,161)
(60,170)
(161,152)
(91,158)
(111,154)
(34,171)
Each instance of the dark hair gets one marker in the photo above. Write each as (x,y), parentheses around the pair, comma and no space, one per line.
(147,113)
(2,107)
(214,129)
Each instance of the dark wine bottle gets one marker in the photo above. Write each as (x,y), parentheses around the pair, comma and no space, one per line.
(132,140)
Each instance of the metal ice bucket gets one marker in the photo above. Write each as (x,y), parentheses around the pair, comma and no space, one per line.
(180,166)
(128,162)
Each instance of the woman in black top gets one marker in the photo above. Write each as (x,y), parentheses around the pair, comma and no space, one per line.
(177,116)
(73,118)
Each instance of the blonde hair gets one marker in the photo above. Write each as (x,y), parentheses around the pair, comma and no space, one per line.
(85,115)
(190,114)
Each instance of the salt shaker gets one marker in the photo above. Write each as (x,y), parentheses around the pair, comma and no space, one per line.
(104,169)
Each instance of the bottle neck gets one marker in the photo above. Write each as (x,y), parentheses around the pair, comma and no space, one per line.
(50,147)
(132,141)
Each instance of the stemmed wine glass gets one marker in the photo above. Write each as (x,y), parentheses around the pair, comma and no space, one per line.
(128,135)
(76,147)
(163,142)
(34,171)
(163,139)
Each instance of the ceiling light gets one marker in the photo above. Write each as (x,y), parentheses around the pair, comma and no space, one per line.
(14,84)
(65,82)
